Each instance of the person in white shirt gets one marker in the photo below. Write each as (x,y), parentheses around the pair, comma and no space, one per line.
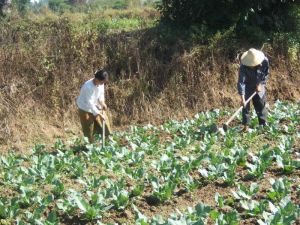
(91,105)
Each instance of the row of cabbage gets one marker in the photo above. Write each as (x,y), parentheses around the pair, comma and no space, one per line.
(52,186)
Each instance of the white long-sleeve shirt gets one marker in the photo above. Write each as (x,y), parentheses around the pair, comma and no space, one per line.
(89,97)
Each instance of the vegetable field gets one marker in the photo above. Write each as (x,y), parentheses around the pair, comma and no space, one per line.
(179,173)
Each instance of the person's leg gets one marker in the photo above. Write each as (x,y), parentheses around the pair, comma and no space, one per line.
(260,108)
(98,126)
(87,124)
(246,114)
(108,130)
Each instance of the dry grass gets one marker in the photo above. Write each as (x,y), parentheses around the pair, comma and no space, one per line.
(44,63)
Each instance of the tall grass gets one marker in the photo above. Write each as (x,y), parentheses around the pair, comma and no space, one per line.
(154,74)
(110,20)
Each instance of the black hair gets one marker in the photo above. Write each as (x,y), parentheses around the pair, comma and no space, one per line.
(239,54)
(101,75)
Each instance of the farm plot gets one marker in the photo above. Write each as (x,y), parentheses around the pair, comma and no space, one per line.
(176,173)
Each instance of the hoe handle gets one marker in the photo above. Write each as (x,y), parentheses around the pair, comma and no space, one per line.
(103,133)
(240,109)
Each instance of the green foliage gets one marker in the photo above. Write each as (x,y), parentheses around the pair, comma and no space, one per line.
(260,163)
(90,185)
(286,212)
(280,189)
(117,4)
(288,45)
(2,4)
(113,4)
(21,6)
(59,6)
(214,14)
(120,4)
(256,20)
(254,35)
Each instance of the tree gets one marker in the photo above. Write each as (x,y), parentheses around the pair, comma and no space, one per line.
(213,13)
(272,15)
(59,5)
(2,4)
(119,4)
(21,6)
(216,15)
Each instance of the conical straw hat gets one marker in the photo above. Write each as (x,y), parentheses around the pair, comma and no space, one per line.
(252,57)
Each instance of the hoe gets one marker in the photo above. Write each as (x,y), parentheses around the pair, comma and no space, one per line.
(103,133)
(225,125)
(214,127)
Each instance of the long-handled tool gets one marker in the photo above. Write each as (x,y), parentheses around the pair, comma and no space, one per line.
(103,133)
(225,125)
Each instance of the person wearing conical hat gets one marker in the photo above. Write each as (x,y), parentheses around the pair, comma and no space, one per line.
(253,74)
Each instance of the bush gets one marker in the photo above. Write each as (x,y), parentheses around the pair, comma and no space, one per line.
(253,35)
(120,4)
(260,19)
(59,6)
(21,6)
(2,4)
(287,45)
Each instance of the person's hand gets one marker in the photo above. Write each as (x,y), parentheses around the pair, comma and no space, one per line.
(104,106)
(243,102)
(259,88)
(100,117)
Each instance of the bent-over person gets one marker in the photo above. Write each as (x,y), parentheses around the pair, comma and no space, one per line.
(91,106)
(253,74)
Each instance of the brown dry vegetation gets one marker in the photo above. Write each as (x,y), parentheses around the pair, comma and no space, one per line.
(43,64)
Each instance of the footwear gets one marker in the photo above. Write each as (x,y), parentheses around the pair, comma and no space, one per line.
(263,124)
(245,128)
(263,127)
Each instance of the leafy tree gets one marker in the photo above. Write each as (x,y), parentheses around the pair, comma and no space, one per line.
(119,4)
(271,16)
(59,5)
(21,6)
(36,6)
(2,4)
(213,13)
(77,2)
(217,15)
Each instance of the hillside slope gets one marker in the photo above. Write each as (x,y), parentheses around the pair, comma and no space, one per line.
(154,75)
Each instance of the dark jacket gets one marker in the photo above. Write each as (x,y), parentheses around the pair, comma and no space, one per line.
(249,78)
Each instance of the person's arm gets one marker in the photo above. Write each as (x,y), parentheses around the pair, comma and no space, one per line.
(88,93)
(241,85)
(264,72)
(101,99)
(103,105)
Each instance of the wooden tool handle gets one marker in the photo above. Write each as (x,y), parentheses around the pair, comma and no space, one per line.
(240,109)
(103,133)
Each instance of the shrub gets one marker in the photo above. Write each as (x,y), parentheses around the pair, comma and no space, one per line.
(59,6)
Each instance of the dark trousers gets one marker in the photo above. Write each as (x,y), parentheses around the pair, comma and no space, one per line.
(259,104)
